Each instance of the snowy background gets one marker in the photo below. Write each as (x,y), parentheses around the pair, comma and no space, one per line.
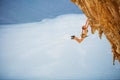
(35,43)
(44,50)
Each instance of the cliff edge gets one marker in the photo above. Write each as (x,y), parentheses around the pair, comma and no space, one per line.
(104,17)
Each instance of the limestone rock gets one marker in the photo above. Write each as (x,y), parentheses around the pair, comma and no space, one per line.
(104,17)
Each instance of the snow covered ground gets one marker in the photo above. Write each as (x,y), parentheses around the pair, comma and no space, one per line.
(44,50)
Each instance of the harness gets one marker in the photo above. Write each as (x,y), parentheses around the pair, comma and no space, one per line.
(83,35)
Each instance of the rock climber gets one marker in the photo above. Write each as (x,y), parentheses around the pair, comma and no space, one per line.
(84,33)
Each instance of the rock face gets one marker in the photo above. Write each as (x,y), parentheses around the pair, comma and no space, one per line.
(104,17)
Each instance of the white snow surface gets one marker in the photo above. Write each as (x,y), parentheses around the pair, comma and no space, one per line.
(44,50)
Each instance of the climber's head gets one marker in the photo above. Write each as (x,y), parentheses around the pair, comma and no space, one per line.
(72,37)
(83,27)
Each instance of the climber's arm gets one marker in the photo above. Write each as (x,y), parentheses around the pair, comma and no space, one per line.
(87,23)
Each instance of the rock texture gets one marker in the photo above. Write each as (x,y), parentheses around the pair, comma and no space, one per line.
(104,17)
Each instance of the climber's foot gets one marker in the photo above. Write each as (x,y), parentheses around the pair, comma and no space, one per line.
(72,37)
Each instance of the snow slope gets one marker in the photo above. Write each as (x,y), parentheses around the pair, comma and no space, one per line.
(44,50)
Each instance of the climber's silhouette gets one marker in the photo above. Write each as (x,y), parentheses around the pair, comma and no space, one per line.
(84,33)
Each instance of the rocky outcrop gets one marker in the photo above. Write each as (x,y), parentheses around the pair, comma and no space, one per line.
(104,17)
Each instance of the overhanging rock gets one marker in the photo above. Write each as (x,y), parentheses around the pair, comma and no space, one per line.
(104,17)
